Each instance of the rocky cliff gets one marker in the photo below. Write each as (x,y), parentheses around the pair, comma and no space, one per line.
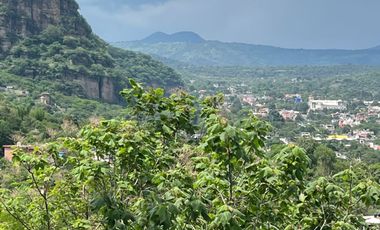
(23,18)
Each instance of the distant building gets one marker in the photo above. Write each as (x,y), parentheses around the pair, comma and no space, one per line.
(293,97)
(289,115)
(338,137)
(373,146)
(315,105)
(329,127)
(373,110)
(290,96)
(363,134)
(298,99)
(9,149)
(306,134)
(45,98)
(368,102)
(262,112)
(371,220)
(249,100)
(361,117)
(340,156)
(22,93)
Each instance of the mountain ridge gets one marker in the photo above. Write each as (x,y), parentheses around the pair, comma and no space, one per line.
(183,36)
(217,53)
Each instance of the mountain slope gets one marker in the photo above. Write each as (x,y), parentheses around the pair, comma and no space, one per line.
(215,53)
(50,42)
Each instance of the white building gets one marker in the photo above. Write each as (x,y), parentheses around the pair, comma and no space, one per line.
(326,104)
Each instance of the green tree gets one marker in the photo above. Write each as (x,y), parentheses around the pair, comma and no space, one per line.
(325,160)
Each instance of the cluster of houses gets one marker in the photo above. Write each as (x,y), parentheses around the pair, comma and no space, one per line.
(341,117)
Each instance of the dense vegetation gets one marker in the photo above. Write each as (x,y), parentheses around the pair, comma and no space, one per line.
(55,56)
(24,119)
(151,172)
(68,62)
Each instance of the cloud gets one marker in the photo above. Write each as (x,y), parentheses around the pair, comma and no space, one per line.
(287,23)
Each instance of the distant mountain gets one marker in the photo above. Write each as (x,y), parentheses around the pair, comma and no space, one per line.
(187,37)
(376,48)
(190,48)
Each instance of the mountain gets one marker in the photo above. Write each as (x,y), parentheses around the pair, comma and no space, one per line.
(50,42)
(187,37)
(216,53)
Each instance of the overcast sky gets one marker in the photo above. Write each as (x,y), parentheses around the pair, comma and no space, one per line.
(349,24)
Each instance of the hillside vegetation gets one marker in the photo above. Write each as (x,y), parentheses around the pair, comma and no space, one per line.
(55,44)
(216,53)
(54,51)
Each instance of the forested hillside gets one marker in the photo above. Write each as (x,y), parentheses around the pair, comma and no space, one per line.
(216,53)
(50,41)
(48,48)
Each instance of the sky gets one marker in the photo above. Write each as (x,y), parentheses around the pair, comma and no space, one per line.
(314,24)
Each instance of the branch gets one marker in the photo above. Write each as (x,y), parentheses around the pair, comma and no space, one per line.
(43,195)
(17,218)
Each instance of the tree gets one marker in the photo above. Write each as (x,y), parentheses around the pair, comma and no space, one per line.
(275,116)
(325,160)
(236,105)
(309,145)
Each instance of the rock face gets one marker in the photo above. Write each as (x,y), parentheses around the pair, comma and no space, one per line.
(23,18)
(102,88)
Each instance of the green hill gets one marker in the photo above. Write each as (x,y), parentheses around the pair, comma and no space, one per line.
(48,40)
(216,53)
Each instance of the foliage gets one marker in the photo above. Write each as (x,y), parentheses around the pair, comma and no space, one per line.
(150,172)
(23,118)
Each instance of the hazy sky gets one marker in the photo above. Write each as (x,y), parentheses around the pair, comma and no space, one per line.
(349,24)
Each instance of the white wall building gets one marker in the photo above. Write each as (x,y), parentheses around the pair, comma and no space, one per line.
(326,104)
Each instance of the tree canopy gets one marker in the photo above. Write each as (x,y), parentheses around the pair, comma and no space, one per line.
(178,163)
